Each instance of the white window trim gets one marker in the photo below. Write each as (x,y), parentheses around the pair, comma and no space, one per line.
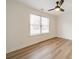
(40,26)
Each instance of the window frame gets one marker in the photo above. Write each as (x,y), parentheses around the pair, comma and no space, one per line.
(40,25)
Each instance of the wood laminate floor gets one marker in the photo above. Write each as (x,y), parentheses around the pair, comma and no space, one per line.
(56,48)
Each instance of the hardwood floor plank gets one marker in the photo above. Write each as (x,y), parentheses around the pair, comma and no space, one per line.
(54,48)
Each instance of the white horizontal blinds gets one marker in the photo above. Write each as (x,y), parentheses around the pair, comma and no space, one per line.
(34,24)
(45,25)
(38,24)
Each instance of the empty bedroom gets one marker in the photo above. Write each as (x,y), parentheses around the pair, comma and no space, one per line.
(38,29)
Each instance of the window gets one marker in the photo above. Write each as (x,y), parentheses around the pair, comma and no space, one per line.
(45,25)
(34,24)
(38,25)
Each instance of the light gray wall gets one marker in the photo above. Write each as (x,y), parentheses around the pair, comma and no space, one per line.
(64,26)
(64,21)
(18,35)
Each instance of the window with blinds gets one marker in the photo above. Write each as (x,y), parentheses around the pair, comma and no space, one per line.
(38,24)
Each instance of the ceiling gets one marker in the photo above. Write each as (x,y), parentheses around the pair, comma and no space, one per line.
(48,4)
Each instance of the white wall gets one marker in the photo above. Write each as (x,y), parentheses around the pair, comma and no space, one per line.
(64,21)
(18,26)
(64,26)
